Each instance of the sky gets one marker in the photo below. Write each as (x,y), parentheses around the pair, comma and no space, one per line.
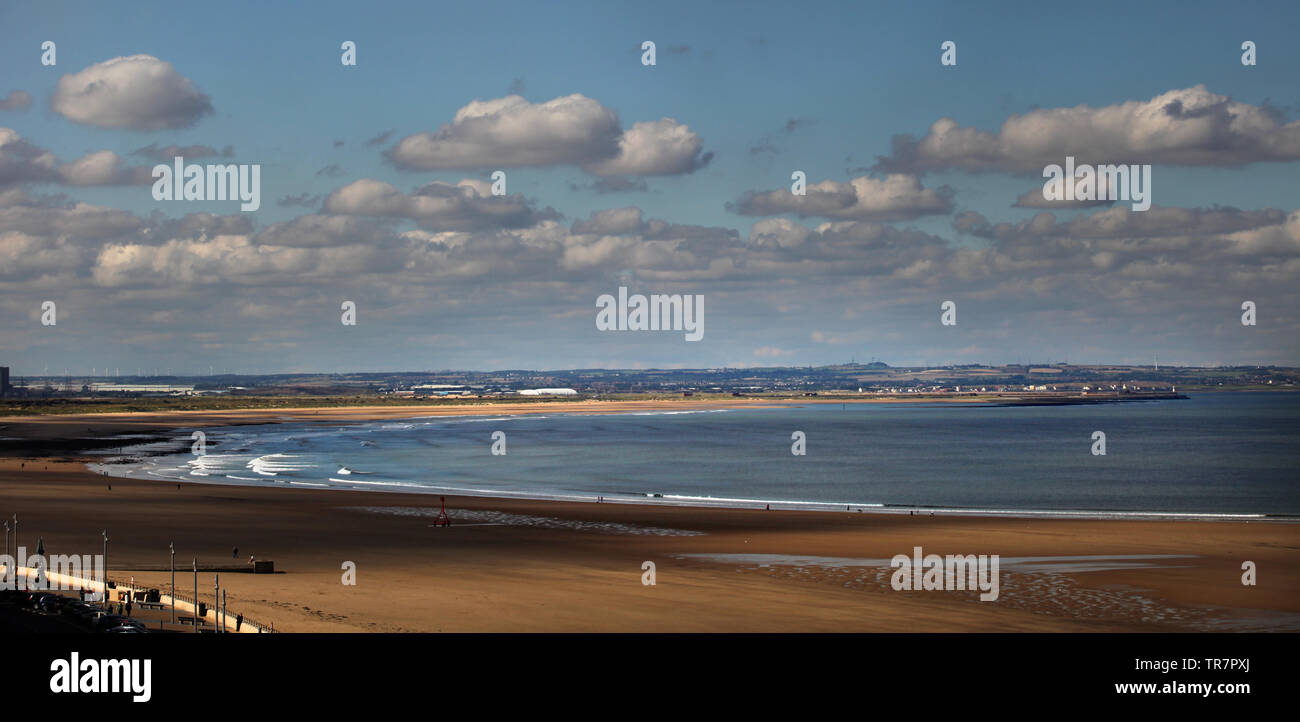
(924,184)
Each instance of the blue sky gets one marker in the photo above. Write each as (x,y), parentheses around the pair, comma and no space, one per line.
(847,77)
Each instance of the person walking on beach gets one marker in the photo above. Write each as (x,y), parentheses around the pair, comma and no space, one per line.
(239,621)
(251,559)
(234,553)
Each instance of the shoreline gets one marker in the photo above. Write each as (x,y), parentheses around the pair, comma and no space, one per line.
(693,502)
(524,565)
(352,415)
(521,565)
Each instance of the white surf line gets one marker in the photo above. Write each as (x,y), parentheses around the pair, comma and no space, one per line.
(482,523)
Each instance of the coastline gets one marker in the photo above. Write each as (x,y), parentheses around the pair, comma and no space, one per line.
(512,564)
(157,425)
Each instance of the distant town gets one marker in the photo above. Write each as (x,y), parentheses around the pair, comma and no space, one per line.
(851,379)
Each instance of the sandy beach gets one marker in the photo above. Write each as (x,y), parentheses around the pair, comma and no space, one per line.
(518,565)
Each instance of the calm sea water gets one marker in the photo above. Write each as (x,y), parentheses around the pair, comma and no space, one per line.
(1230,453)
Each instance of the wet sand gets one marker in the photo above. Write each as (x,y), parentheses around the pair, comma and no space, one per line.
(520,565)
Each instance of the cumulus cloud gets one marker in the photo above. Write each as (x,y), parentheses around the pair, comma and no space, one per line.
(103,168)
(1190,126)
(136,92)
(661,147)
(1279,240)
(467,205)
(1121,222)
(16,100)
(24,256)
(778,233)
(511,132)
(611,221)
(318,230)
(572,130)
(22,162)
(41,240)
(1163,256)
(1034,198)
(629,223)
(895,197)
(78,222)
(1104,268)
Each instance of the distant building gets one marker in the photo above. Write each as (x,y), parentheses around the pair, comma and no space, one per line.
(4,380)
(547,392)
(107,388)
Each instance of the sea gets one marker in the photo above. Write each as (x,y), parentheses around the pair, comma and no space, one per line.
(1224,455)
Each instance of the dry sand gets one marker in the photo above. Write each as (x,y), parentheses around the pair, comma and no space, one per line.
(570,567)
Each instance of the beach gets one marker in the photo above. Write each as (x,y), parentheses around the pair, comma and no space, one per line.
(518,565)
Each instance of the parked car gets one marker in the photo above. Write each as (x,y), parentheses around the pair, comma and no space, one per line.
(74,608)
(105,622)
(52,603)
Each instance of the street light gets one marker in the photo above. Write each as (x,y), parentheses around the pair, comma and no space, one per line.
(172,546)
(105,600)
(196,595)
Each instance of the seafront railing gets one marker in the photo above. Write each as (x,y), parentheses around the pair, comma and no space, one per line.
(245,624)
(230,619)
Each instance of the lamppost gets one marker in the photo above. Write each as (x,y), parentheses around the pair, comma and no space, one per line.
(172,546)
(196,595)
(8,571)
(105,566)
(216,601)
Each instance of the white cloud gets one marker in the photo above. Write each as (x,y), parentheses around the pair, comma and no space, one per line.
(136,92)
(895,197)
(103,168)
(467,205)
(1189,126)
(661,147)
(612,221)
(22,162)
(16,100)
(575,130)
